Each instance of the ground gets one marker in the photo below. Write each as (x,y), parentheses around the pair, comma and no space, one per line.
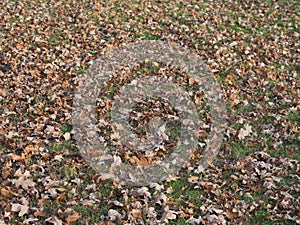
(252,49)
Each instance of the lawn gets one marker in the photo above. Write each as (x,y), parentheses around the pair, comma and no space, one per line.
(253,52)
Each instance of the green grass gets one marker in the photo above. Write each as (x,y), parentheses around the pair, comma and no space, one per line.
(2,149)
(53,39)
(93,215)
(15,19)
(261,217)
(288,182)
(243,109)
(179,221)
(294,116)
(286,150)
(240,149)
(173,128)
(146,36)
(61,146)
(17,220)
(81,70)
(66,128)
(238,28)
(184,191)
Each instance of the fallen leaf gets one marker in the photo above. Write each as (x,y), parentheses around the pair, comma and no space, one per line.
(8,193)
(244,132)
(24,183)
(22,209)
(114,214)
(73,218)
(136,213)
(192,179)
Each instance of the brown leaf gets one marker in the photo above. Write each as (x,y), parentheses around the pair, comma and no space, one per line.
(73,218)
(244,132)
(17,157)
(60,197)
(136,213)
(8,193)
(6,172)
(142,161)
(193,178)
(24,183)
(40,213)
(231,215)
(22,209)
(31,149)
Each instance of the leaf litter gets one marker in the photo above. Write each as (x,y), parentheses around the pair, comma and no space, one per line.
(252,49)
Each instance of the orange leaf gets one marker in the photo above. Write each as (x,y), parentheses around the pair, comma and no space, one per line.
(5,172)
(30,148)
(193,178)
(73,218)
(60,197)
(39,213)
(7,192)
(136,213)
(17,157)
(142,161)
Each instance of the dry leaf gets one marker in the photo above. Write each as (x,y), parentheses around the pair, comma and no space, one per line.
(244,132)
(114,214)
(5,172)
(8,193)
(54,220)
(31,149)
(22,209)
(24,183)
(73,218)
(136,213)
(192,179)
